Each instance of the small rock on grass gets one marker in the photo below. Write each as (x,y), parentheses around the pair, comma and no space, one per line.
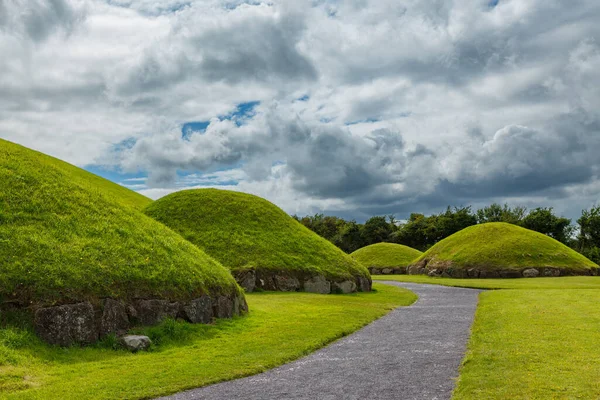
(135,343)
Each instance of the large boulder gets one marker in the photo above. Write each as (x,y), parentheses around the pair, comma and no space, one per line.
(488,274)
(198,311)
(364,284)
(67,325)
(153,312)
(223,307)
(343,287)
(531,273)
(508,273)
(114,318)
(285,283)
(247,280)
(317,284)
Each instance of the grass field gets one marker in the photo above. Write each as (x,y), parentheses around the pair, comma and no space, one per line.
(567,282)
(280,327)
(534,344)
(536,340)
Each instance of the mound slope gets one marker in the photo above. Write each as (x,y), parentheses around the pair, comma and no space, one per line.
(259,242)
(68,236)
(501,250)
(386,258)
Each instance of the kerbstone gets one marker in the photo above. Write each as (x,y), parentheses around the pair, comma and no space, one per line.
(67,325)
(317,284)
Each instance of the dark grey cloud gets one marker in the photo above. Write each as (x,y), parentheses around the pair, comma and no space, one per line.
(262,49)
(36,18)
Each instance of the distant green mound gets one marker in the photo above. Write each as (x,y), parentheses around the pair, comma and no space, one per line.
(501,250)
(67,236)
(259,242)
(386,257)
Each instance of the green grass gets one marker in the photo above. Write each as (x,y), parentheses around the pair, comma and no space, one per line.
(567,282)
(244,231)
(279,328)
(533,344)
(382,255)
(67,235)
(538,339)
(498,245)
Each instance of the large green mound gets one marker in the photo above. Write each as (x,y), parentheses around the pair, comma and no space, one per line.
(67,235)
(246,233)
(500,249)
(386,256)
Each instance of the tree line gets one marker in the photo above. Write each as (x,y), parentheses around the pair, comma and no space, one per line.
(421,232)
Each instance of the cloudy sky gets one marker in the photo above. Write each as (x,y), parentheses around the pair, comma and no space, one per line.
(349,107)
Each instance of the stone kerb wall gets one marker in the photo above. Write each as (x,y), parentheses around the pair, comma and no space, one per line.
(284,282)
(84,323)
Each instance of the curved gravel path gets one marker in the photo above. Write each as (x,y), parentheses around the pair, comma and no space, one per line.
(412,353)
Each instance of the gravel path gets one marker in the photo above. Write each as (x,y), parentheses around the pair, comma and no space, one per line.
(411,353)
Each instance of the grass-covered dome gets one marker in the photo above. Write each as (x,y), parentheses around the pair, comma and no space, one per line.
(386,256)
(67,235)
(245,232)
(501,249)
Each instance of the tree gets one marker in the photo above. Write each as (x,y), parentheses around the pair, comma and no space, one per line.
(589,233)
(413,233)
(498,213)
(544,221)
(350,237)
(452,221)
(376,230)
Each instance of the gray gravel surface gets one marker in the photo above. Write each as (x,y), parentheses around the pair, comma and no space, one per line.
(411,353)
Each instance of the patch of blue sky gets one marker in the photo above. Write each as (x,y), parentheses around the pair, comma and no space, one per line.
(189,128)
(363,121)
(170,7)
(493,3)
(232,5)
(303,98)
(116,175)
(230,176)
(242,113)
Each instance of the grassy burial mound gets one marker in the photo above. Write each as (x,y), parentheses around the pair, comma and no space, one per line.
(500,250)
(76,251)
(263,246)
(386,258)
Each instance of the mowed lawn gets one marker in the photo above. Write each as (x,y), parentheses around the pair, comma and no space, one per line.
(280,327)
(540,339)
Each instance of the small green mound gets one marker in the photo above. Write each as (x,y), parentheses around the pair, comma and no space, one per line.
(386,255)
(246,232)
(67,235)
(501,246)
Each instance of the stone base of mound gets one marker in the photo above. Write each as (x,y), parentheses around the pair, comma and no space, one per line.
(446,270)
(387,270)
(252,280)
(84,323)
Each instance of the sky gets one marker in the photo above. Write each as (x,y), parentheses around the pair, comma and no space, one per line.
(352,108)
